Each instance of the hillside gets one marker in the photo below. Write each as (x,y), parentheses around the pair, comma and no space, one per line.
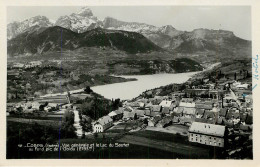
(204,42)
(57,38)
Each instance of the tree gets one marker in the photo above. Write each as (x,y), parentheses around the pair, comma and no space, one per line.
(116,104)
(145,121)
(182,87)
(95,135)
(41,107)
(135,117)
(88,90)
(20,109)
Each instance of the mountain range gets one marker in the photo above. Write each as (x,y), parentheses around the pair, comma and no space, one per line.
(56,38)
(203,42)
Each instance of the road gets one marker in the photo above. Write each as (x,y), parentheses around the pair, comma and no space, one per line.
(76,124)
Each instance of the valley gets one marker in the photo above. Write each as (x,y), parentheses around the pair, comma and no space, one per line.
(150,91)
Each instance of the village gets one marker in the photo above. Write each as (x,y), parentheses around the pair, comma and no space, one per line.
(225,108)
(203,111)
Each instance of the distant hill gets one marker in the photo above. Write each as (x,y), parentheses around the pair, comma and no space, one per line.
(204,40)
(57,38)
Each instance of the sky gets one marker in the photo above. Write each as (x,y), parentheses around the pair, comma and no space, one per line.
(185,18)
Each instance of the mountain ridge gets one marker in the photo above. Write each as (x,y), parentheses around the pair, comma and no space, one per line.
(199,41)
(55,38)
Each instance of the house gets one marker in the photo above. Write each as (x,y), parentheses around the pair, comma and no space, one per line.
(203,120)
(207,134)
(148,105)
(186,120)
(135,104)
(147,112)
(203,105)
(156,101)
(209,115)
(102,124)
(189,111)
(176,86)
(219,120)
(116,115)
(187,104)
(141,105)
(145,101)
(165,103)
(166,110)
(154,120)
(139,113)
(128,115)
(164,122)
(199,113)
(128,108)
(175,119)
(161,98)
(172,106)
(187,100)
(228,123)
(153,114)
(178,111)
(223,112)
(156,108)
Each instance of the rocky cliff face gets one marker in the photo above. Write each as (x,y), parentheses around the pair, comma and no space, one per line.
(159,35)
(79,22)
(32,24)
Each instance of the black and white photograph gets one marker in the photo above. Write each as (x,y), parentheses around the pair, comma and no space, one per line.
(130,82)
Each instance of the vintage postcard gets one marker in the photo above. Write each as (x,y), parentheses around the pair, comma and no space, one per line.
(117,81)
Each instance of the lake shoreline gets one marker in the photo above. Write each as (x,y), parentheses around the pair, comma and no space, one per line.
(149,87)
(130,90)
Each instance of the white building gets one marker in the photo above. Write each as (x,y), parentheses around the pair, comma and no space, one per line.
(208,134)
(102,124)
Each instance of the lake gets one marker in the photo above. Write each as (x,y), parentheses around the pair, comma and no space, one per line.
(132,89)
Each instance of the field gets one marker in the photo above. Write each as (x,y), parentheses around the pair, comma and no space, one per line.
(124,127)
(174,129)
(178,145)
(139,145)
(54,122)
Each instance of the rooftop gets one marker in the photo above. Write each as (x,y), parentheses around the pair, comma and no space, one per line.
(209,129)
